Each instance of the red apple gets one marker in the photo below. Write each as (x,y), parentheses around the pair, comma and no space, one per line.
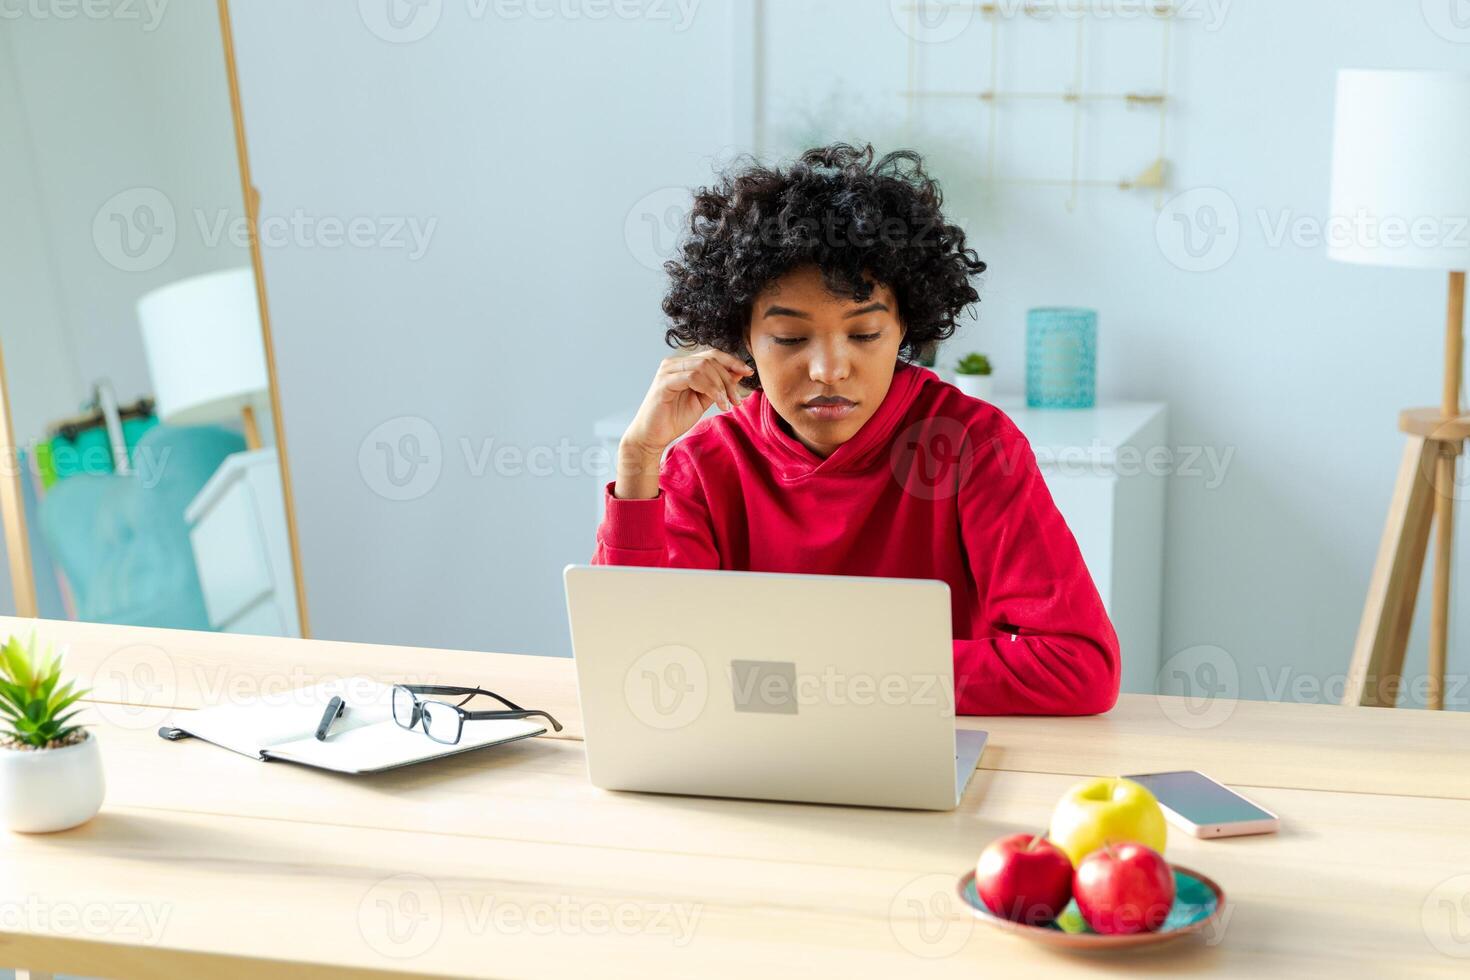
(1024,878)
(1124,888)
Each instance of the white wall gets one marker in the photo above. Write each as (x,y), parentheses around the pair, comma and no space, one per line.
(524,144)
(529,142)
(43,380)
(99,115)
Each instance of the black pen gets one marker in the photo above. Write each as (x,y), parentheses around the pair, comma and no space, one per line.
(335,709)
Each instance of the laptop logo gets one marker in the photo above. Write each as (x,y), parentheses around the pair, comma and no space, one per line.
(764,686)
(667,687)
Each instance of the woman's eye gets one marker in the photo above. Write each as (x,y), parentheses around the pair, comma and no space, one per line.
(866,338)
(788,341)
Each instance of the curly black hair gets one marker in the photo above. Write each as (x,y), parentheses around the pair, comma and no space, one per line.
(858,219)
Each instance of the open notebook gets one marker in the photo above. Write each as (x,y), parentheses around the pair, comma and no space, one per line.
(364,739)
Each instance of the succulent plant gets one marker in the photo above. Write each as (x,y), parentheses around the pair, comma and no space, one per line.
(35,706)
(973,364)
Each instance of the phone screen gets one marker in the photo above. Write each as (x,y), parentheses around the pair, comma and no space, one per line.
(1198,798)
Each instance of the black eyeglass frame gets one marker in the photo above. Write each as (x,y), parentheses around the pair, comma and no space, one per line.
(419,720)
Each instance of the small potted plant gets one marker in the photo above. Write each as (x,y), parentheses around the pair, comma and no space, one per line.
(972,376)
(50,769)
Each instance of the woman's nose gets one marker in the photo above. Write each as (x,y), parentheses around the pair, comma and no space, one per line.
(829,365)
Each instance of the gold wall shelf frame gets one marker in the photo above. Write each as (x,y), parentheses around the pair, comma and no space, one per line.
(1153,176)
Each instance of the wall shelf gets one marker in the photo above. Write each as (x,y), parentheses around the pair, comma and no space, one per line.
(1153,174)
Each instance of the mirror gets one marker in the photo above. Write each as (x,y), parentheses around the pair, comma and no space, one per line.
(146,485)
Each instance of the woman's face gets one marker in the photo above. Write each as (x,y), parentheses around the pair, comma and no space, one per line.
(825,361)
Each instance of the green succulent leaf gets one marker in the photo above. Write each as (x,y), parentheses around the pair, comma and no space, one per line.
(34,699)
(63,699)
(973,364)
(15,665)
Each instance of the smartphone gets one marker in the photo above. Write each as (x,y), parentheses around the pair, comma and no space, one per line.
(1196,803)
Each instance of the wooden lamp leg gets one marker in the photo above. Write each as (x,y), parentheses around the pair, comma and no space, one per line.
(252,427)
(1383,634)
(1424,496)
(1444,497)
(1444,539)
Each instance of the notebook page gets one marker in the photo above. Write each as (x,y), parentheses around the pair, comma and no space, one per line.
(370,748)
(251,726)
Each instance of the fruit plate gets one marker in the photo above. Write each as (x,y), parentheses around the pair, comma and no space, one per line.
(1198,901)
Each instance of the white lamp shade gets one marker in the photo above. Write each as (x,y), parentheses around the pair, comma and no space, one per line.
(204,346)
(1401,169)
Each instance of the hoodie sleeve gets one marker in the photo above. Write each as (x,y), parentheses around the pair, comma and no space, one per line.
(1043,643)
(672,530)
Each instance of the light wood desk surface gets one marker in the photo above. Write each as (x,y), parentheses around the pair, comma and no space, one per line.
(508,863)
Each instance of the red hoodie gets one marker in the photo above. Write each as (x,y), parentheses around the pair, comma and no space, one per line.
(935,485)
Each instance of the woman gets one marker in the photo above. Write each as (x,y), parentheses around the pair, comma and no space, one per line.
(812,288)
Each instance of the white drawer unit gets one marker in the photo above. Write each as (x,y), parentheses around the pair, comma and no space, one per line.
(237,525)
(1106,468)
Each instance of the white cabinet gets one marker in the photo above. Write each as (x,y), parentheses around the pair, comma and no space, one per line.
(237,525)
(1106,469)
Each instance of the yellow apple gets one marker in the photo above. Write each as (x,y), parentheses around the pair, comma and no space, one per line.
(1097,811)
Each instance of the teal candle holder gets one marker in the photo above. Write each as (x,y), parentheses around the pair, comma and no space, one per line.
(1061,357)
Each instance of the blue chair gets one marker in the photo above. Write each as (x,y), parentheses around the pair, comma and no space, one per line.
(121,541)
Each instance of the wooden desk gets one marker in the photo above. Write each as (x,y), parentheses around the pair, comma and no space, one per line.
(507,863)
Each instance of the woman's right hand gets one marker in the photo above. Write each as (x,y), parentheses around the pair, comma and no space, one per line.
(683,389)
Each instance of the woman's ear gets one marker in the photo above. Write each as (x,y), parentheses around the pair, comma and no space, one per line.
(753,381)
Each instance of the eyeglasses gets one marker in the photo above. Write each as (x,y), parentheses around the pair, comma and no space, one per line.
(444,722)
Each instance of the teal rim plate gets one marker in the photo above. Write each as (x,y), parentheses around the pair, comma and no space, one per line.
(1197,902)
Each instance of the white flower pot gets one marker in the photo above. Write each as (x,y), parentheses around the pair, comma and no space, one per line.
(50,789)
(981,386)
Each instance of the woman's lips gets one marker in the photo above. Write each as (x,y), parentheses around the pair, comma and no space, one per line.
(829,411)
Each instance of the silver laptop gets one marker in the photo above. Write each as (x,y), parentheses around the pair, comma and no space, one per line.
(812,688)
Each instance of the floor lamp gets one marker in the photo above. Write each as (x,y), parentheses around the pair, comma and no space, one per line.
(206,356)
(1401,197)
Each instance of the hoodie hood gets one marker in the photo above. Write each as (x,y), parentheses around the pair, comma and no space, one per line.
(793,461)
